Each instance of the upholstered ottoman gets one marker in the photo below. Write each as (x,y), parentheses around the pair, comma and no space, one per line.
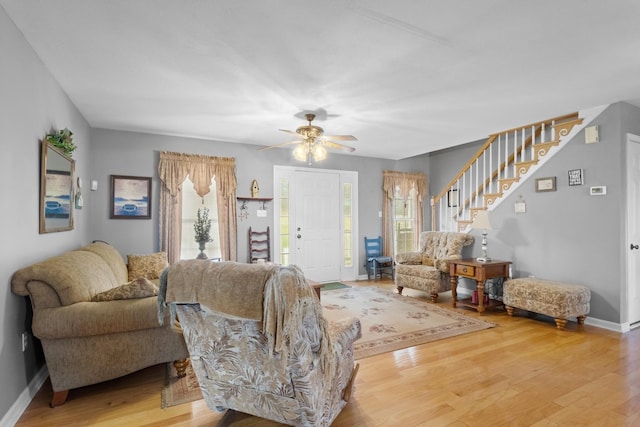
(555,299)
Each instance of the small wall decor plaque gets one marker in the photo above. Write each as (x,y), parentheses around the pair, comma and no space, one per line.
(546,184)
(575,177)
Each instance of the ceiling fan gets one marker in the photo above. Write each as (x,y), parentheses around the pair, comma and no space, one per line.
(312,142)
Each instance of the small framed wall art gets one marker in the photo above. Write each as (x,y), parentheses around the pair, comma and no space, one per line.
(575,177)
(546,184)
(130,197)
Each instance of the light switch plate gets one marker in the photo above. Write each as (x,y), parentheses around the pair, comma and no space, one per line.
(261,213)
(520,207)
(94,185)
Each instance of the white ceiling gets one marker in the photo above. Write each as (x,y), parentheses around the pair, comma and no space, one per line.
(404,76)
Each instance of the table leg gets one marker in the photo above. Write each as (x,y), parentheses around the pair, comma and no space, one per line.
(480,287)
(454,290)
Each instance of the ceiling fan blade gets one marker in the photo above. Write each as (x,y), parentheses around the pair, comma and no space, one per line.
(341,137)
(335,145)
(290,132)
(278,145)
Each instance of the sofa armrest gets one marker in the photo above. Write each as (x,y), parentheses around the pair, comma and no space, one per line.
(410,258)
(442,264)
(96,318)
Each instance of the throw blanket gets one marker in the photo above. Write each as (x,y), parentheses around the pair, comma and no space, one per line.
(267,293)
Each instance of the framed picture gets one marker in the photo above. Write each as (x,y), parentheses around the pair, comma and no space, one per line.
(575,177)
(452,198)
(546,184)
(130,197)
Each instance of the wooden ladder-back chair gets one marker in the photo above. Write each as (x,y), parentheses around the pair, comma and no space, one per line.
(259,245)
(377,264)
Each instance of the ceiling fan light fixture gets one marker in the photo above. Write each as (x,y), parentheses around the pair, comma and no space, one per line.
(300,152)
(319,152)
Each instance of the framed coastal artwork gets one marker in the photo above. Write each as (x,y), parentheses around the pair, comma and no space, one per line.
(130,197)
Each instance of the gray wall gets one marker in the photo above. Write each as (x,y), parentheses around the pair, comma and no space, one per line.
(130,153)
(31,104)
(566,235)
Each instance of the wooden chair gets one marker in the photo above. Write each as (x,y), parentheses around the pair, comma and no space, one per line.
(377,264)
(259,245)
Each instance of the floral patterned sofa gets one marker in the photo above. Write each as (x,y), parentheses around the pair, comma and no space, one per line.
(428,269)
(258,341)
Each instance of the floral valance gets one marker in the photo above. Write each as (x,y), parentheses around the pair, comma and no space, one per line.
(404,182)
(174,168)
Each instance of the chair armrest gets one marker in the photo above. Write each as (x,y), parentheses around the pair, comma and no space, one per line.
(411,258)
(96,318)
(442,264)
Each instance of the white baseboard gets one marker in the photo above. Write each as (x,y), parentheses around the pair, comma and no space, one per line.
(23,401)
(604,324)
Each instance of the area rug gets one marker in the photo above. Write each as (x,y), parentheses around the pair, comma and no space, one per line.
(179,390)
(389,322)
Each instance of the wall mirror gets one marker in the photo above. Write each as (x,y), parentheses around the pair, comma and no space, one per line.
(56,190)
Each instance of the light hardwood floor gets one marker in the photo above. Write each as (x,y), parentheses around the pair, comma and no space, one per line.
(524,372)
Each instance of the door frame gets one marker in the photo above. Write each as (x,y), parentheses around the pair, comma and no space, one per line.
(625,303)
(347,272)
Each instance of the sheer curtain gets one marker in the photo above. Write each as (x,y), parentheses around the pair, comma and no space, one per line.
(173,169)
(404,182)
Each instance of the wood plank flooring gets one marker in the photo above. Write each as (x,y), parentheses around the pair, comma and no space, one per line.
(524,372)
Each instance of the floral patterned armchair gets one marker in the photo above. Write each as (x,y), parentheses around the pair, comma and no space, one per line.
(259,343)
(428,269)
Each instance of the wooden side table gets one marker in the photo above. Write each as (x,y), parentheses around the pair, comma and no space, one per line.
(480,272)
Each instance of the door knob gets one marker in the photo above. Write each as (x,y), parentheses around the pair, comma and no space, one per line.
(299,236)
(634,247)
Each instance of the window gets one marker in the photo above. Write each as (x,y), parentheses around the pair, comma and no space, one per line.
(283,232)
(404,212)
(191,202)
(348,221)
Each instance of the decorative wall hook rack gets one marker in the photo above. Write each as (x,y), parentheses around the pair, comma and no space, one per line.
(244,209)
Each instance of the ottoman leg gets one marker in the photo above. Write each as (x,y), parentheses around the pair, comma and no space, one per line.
(560,323)
(434,297)
(581,320)
(400,288)
(509,310)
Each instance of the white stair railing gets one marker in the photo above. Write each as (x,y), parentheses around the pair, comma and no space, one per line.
(502,160)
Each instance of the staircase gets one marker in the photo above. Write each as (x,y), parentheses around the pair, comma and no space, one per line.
(502,164)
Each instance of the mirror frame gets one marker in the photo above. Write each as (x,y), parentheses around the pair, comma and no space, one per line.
(49,150)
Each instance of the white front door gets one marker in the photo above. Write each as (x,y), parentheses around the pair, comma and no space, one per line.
(317,224)
(633,229)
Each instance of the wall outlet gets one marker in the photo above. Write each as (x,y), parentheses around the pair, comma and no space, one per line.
(25,341)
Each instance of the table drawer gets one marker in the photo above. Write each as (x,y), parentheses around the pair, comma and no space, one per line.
(465,270)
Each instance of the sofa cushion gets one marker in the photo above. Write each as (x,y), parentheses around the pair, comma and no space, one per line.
(91,318)
(138,288)
(147,266)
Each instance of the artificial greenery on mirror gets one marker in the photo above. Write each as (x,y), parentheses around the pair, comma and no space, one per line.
(63,140)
